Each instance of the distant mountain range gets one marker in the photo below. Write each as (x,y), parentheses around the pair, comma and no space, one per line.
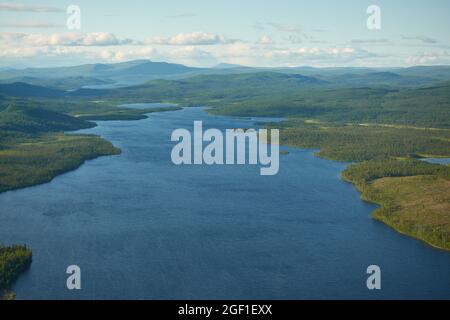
(132,71)
(227,66)
(141,71)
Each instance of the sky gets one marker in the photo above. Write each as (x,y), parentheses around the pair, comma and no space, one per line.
(204,33)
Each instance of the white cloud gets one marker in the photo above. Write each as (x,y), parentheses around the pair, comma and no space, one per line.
(265,40)
(341,51)
(5,6)
(316,53)
(120,54)
(192,39)
(66,39)
(49,55)
(310,55)
(429,58)
(194,49)
(21,52)
(238,49)
(189,55)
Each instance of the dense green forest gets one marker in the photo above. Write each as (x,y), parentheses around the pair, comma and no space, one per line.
(24,120)
(267,94)
(368,171)
(14,260)
(41,159)
(76,108)
(69,83)
(359,143)
(33,148)
(355,105)
(273,94)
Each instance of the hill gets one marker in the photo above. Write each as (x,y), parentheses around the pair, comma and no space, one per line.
(132,71)
(20,89)
(70,83)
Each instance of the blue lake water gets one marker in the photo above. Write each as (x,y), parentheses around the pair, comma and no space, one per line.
(148,105)
(443,161)
(140,227)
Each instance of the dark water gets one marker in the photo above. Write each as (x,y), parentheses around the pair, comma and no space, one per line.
(142,228)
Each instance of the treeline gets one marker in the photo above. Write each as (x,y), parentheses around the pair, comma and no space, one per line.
(17,118)
(414,197)
(19,123)
(355,143)
(46,156)
(14,260)
(421,107)
(277,94)
(365,172)
(272,94)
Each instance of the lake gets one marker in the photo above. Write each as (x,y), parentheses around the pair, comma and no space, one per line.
(140,227)
(148,105)
(443,161)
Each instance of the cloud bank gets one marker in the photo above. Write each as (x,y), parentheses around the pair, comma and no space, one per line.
(191,39)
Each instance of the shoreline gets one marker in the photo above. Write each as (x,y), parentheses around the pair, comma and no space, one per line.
(315,153)
(106,149)
(364,197)
(116,151)
(90,147)
(406,234)
(50,179)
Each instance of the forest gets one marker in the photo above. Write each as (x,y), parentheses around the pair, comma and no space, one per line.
(14,260)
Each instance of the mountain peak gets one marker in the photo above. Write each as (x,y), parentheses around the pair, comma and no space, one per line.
(227,66)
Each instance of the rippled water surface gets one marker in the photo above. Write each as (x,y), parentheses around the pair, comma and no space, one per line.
(142,228)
